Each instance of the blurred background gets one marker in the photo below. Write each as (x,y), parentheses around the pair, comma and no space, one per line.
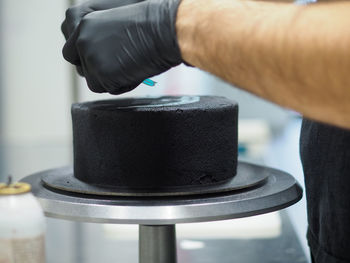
(37,88)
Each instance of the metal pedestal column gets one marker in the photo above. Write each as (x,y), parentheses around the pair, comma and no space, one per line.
(157,244)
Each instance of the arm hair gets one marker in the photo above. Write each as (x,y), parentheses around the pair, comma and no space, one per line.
(297,56)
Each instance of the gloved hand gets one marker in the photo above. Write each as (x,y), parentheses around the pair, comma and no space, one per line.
(75,14)
(118,48)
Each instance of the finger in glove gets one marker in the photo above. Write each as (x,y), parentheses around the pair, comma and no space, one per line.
(120,47)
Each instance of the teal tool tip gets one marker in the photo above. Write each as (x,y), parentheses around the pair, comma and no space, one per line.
(149,82)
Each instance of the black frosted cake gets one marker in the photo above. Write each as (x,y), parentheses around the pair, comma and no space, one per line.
(155,143)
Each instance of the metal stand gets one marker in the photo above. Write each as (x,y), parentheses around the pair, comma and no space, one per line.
(157,244)
(157,216)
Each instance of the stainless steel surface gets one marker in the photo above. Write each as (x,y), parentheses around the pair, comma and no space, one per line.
(248,175)
(157,244)
(279,191)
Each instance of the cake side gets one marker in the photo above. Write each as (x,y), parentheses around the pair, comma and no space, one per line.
(126,143)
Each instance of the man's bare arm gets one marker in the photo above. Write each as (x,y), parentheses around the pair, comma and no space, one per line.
(295,56)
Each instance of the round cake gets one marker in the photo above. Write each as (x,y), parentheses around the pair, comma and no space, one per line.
(155,143)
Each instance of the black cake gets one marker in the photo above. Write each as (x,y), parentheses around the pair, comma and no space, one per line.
(155,143)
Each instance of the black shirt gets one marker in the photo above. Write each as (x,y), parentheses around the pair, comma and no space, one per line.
(325,154)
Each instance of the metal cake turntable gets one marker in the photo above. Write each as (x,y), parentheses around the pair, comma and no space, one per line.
(265,190)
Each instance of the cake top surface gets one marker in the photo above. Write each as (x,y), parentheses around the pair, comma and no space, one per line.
(157,103)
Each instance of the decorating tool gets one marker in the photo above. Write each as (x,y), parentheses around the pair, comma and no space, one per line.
(149,82)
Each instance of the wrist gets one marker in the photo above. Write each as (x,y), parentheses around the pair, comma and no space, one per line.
(186,26)
(162,27)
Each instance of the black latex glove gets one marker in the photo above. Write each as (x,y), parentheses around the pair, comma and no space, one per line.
(120,47)
(75,13)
